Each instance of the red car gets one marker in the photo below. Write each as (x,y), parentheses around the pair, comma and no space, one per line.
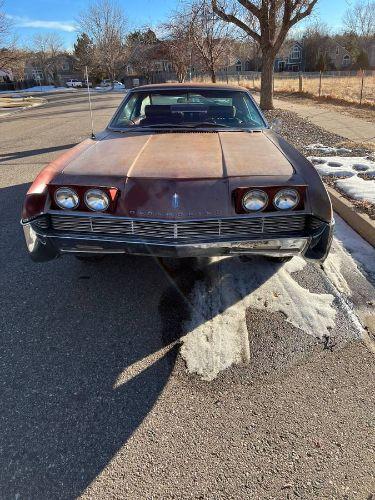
(181,170)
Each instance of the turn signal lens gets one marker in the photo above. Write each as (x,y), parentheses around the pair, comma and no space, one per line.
(97,200)
(255,200)
(286,199)
(66,198)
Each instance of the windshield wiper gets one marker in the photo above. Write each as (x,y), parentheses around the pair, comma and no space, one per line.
(210,124)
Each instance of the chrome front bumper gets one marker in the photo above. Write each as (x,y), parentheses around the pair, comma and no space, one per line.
(43,246)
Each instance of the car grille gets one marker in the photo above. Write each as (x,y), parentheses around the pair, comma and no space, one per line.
(183,230)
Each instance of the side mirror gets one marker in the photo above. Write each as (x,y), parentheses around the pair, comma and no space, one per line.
(277,125)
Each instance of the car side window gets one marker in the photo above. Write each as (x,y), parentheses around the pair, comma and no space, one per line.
(145,102)
(128,111)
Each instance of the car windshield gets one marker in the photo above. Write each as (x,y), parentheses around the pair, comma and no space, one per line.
(222,109)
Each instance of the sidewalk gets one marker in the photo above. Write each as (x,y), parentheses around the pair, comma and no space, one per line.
(354,129)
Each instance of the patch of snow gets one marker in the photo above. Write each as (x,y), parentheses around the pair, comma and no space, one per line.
(327,149)
(116,88)
(332,267)
(362,252)
(345,166)
(218,334)
(42,88)
(357,188)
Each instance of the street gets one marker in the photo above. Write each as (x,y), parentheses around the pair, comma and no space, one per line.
(100,397)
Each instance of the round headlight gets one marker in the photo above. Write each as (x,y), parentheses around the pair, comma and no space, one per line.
(286,199)
(255,200)
(66,198)
(97,200)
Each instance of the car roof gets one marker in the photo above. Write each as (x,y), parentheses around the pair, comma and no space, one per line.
(188,86)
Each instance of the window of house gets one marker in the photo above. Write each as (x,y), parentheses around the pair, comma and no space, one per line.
(337,51)
(296,53)
(238,66)
(37,74)
(346,60)
(66,66)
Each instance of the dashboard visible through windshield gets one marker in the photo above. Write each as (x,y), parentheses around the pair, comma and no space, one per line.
(220,109)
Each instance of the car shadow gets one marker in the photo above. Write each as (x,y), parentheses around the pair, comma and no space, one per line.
(72,336)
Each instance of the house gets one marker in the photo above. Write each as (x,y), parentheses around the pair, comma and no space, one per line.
(370,49)
(64,67)
(241,57)
(337,54)
(5,75)
(290,57)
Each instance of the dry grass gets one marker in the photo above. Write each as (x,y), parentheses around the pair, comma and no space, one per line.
(344,89)
(341,88)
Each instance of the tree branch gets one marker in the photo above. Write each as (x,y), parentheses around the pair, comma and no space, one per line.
(302,14)
(230,18)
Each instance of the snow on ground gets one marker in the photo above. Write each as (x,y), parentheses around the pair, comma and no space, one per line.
(42,88)
(357,188)
(342,166)
(362,253)
(116,88)
(218,334)
(327,149)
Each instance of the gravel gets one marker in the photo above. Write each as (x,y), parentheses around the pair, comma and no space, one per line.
(300,132)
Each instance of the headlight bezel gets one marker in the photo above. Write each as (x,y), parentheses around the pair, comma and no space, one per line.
(74,194)
(255,190)
(284,190)
(98,191)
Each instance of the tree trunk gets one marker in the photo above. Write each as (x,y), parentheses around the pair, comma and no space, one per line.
(266,91)
(213,75)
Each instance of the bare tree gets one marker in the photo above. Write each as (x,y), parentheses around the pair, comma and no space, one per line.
(209,34)
(47,54)
(106,25)
(4,26)
(360,19)
(178,46)
(143,52)
(268,23)
(10,56)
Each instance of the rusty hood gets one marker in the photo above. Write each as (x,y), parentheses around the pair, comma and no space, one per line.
(179,155)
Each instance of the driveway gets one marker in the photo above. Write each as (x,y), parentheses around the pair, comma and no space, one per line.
(270,394)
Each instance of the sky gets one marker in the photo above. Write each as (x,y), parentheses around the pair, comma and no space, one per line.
(43,16)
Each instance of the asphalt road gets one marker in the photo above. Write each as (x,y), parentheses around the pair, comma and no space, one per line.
(95,397)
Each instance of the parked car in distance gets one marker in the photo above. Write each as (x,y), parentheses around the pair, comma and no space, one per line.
(73,82)
(181,170)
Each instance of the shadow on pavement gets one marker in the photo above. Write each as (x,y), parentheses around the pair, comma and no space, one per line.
(68,332)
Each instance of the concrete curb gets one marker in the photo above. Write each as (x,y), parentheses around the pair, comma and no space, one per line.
(361,223)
